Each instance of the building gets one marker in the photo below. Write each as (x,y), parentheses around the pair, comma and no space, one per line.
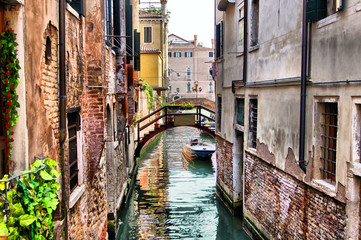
(153,24)
(190,63)
(76,95)
(288,116)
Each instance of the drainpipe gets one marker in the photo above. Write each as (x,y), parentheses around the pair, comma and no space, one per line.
(62,111)
(245,41)
(303,90)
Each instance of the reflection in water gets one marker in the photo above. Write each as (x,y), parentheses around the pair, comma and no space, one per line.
(174,198)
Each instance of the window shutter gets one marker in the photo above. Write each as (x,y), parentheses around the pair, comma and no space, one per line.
(116,20)
(218,40)
(136,50)
(78,6)
(316,10)
(129,30)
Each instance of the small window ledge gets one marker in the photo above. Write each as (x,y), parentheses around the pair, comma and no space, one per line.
(330,189)
(253,48)
(239,127)
(328,20)
(76,195)
(356,169)
(72,11)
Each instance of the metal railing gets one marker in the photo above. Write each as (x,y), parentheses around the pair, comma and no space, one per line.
(8,187)
(166,113)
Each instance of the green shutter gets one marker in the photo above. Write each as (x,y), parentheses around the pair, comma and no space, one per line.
(316,10)
(136,50)
(129,30)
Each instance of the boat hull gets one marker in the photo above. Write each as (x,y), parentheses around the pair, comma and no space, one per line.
(197,152)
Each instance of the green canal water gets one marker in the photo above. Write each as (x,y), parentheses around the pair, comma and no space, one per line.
(174,198)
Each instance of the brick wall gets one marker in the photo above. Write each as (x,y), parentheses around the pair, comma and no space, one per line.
(224,162)
(287,208)
(49,87)
(88,217)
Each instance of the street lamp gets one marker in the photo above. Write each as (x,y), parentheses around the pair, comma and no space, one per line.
(196,89)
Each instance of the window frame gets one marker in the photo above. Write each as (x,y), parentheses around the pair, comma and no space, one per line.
(145,36)
(252,122)
(240,29)
(189,73)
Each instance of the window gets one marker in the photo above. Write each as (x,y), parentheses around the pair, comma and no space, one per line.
(170,54)
(252,125)
(178,75)
(177,54)
(188,54)
(48,51)
(177,90)
(219,40)
(148,38)
(170,88)
(240,36)
(78,5)
(210,87)
(254,23)
(219,113)
(328,137)
(188,87)
(210,73)
(210,54)
(240,111)
(73,132)
(189,73)
(319,9)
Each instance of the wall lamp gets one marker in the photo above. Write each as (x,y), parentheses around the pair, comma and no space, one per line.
(139,85)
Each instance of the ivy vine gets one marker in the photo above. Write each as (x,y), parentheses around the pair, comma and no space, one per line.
(150,95)
(9,75)
(32,202)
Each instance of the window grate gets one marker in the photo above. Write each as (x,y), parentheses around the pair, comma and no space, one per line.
(73,127)
(329,141)
(253,122)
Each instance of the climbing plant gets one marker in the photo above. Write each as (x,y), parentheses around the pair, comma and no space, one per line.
(9,75)
(150,96)
(31,202)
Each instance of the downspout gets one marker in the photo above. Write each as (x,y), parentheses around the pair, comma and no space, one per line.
(245,41)
(303,91)
(62,112)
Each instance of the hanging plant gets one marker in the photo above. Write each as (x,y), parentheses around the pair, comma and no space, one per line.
(9,75)
(150,96)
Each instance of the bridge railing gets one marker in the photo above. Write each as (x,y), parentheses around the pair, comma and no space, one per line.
(166,114)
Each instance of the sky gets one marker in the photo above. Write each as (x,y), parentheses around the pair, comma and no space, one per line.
(191,17)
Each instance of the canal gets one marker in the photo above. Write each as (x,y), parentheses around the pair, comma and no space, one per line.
(173,198)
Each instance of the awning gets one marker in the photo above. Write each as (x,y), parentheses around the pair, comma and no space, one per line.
(222,5)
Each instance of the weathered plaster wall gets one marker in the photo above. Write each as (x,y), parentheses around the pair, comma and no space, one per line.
(37,18)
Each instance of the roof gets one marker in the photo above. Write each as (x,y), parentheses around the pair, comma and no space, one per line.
(148,49)
(145,14)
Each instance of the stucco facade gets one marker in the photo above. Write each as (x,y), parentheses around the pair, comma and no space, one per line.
(266,91)
(189,62)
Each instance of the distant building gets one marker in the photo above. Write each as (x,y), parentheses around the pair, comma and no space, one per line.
(153,40)
(189,62)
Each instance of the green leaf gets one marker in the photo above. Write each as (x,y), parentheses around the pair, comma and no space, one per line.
(51,163)
(3,229)
(55,173)
(16,210)
(46,176)
(26,219)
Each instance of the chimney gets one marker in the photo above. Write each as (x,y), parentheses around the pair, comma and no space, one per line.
(212,40)
(195,40)
(164,7)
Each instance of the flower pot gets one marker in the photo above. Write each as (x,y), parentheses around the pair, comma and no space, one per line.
(5,237)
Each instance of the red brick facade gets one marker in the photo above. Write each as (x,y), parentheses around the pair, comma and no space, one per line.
(288,208)
(224,162)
